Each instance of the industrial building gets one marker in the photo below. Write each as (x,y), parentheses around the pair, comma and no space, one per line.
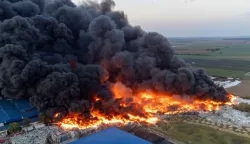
(111,136)
(15,110)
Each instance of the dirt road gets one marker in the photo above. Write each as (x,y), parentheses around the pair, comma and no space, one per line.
(242,90)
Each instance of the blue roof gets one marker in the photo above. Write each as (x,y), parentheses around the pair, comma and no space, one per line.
(23,105)
(111,136)
(15,110)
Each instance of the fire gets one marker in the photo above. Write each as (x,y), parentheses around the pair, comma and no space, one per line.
(75,120)
(56,115)
(171,105)
(141,107)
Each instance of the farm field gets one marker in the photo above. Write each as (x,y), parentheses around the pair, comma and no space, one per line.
(224,57)
(247,58)
(212,48)
(198,134)
(219,57)
(217,72)
(242,90)
(226,64)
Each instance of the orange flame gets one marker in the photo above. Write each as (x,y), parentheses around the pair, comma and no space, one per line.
(74,120)
(148,104)
(56,115)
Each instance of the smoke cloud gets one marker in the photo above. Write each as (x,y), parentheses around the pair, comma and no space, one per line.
(59,56)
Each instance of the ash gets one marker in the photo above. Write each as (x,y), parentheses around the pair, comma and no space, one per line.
(38,136)
(35,137)
(54,134)
(229,82)
(228,116)
(241,100)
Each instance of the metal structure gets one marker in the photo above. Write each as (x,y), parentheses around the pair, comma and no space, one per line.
(15,110)
(111,136)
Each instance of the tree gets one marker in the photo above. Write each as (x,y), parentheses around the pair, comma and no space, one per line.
(26,122)
(41,117)
(14,127)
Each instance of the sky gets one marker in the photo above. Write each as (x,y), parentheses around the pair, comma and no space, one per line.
(189,18)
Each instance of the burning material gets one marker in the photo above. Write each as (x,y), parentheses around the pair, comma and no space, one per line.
(149,105)
(76,121)
(56,115)
(168,104)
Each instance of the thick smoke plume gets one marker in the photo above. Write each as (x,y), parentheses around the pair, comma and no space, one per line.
(60,56)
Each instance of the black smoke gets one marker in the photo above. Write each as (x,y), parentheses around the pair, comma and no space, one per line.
(60,56)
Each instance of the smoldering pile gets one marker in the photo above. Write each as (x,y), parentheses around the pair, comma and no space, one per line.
(60,56)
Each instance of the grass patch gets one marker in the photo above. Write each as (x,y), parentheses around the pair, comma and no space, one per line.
(228,48)
(244,107)
(225,73)
(196,134)
(225,64)
(214,57)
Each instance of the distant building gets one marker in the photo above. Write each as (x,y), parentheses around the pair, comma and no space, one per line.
(15,110)
(111,136)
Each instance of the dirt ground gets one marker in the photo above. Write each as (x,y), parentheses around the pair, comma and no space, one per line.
(242,90)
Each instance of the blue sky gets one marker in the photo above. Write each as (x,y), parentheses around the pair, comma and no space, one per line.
(189,18)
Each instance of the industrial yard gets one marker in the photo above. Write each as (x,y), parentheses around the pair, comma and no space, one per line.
(80,71)
(171,129)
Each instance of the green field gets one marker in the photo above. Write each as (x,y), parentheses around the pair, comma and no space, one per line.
(215,57)
(224,73)
(197,134)
(229,49)
(231,60)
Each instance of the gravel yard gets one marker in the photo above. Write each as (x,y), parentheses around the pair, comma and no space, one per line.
(228,115)
(37,136)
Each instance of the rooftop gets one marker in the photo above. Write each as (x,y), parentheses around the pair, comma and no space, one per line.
(111,136)
(15,110)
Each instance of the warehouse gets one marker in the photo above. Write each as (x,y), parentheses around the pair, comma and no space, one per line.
(15,110)
(111,136)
